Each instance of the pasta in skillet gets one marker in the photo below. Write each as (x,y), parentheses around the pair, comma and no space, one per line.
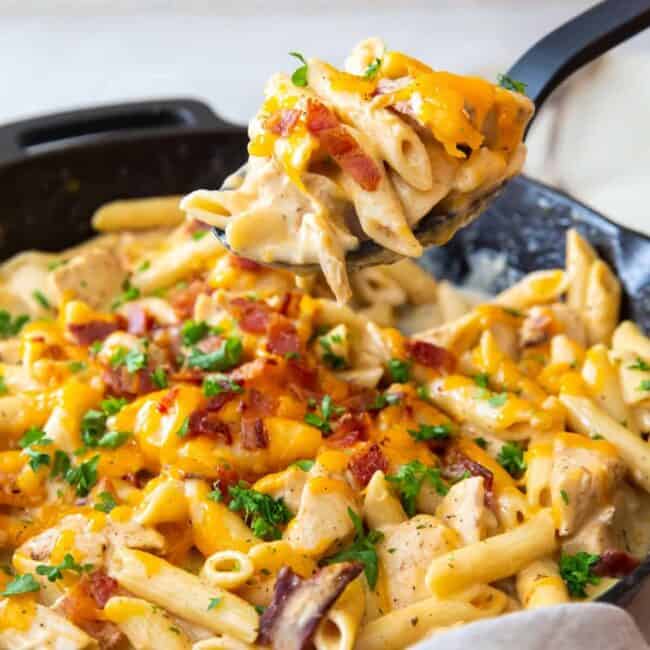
(337,156)
(200,453)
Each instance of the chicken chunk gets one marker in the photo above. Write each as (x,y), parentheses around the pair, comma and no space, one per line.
(405,553)
(94,276)
(464,510)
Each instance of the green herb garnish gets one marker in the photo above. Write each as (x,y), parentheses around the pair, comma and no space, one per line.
(511,458)
(11,327)
(106,502)
(41,299)
(299,77)
(409,480)
(372,69)
(225,358)
(576,571)
(399,370)
(327,410)
(511,84)
(431,432)
(53,573)
(159,378)
(261,512)
(21,584)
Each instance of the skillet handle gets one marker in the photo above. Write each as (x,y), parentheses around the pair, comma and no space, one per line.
(578,42)
(122,122)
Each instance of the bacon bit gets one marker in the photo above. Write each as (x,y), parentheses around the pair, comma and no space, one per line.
(360,402)
(190,375)
(290,305)
(366,462)
(167,400)
(432,356)
(101,587)
(182,300)
(283,121)
(244,263)
(207,423)
(302,376)
(339,143)
(139,322)
(350,429)
(253,315)
(455,464)
(95,330)
(298,605)
(257,404)
(615,564)
(253,434)
(283,338)
(139,479)
(107,634)
(226,476)
(218,401)
(122,383)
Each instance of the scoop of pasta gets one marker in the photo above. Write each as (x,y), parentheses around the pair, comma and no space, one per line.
(337,157)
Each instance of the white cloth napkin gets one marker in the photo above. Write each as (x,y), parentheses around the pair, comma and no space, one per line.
(592,626)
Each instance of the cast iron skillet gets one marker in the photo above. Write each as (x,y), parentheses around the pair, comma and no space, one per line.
(56,170)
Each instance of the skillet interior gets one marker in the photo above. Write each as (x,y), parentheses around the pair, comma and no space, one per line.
(50,190)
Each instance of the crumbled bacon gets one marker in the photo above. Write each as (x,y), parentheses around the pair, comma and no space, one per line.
(122,383)
(302,378)
(432,356)
(244,263)
(139,321)
(283,338)
(207,423)
(253,315)
(366,462)
(339,143)
(350,429)
(218,401)
(253,434)
(257,404)
(455,464)
(167,400)
(283,121)
(290,305)
(101,587)
(298,605)
(95,330)
(615,564)
(182,300)
(361,401)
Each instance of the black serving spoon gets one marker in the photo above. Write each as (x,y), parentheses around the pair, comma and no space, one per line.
(542,68)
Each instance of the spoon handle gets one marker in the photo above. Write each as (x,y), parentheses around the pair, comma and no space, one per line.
(579,41)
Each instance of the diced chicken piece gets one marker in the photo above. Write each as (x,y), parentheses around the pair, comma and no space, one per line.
(582,479)
(46,631)
(287,485)
(95,276)
(322,519)
(596,536)
(464,510)
(10,351)
(405,554)
(537,327)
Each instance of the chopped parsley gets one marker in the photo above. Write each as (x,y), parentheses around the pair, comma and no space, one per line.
(134,360)
(644,385)
(565,496)
(61,464)
(409,480)
(159,378)
(304,465)
(640,364)
(482,379)
(214,602)
(128,293)
(225,358)
(93,427)
(113,405)
(334,361)
(213,385)
(481,442)
(194,331)
(76,366)
(83,477)
(184,428)
(576,571)
(33,436)
(21,584)
(511,84)
(362,550)
(106,502)
(113,439)
(199,234)
(399,370)
(261,512)
(215,495)
(55,264)
(37,459)
(327,410)
(498,400)
(372,69)
(423,393)
(55,572)
(431,432)
(383,400)
(299,77)
(143,267)
(11,326)
(41,299)
(511,458)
